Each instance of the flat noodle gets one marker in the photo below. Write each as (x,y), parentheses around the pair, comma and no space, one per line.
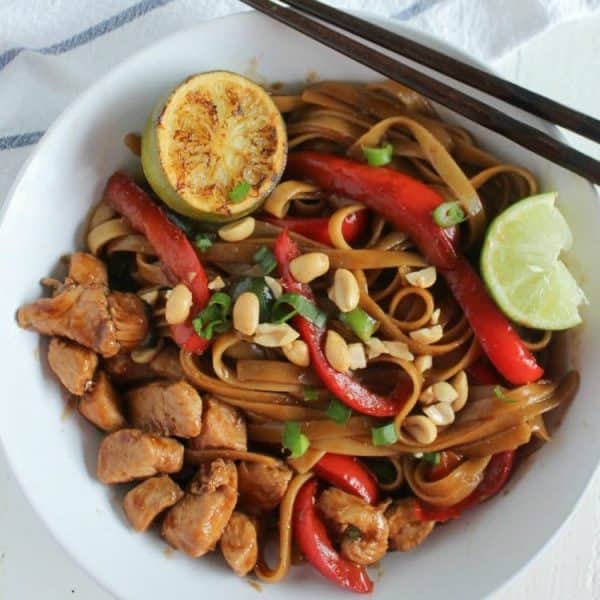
(197,457)
(105,232)
(262,570)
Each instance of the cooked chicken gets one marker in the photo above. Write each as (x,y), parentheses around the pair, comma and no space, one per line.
(123,370)
(195,524)
(131,321)
(73,364)
(85,268)
(406,530)
(101,404)
(166,407)
(146,501)
(222,427)
(77,312)
(362,527)
(130,454)
(262,486)
(239,543)
(166,364)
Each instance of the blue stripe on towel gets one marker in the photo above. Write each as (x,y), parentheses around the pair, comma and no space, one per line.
(415,9)
(126,16)
(10,142)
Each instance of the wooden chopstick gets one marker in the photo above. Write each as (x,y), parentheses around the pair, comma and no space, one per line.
(525,135)
(495,86)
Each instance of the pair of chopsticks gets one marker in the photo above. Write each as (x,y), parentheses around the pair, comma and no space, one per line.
(295,15)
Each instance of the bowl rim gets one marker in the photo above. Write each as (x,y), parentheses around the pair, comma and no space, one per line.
(80,98)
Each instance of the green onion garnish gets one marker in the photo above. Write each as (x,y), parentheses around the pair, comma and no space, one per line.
(215,318)
(384,470)
(265,259)
(204,241)
(338,412)
(378,157)
(448,214)
(502,396)
(293,439)
(353,532)
(361,323)
(310,394)
(384,435)
(239,191)
(433,458)
(300,306)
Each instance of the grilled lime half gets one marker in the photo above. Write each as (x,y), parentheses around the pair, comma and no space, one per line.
(215,148)
(521,265)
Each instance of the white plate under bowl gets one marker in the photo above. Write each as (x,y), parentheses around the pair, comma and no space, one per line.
(53,457)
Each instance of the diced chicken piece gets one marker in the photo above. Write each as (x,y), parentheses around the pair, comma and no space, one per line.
(262,486)
(123,370)
(362,527)
(166,364)
(147,500)
(101,405)
(223,426)
(166,407)
(406,529)
(129,315)
(85,268)
(77,312)
(130,454)
(239,543)
(196,523)
(73,364)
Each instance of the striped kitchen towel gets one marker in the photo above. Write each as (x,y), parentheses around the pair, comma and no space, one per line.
(50,50)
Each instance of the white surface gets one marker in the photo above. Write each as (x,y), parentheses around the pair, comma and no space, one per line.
(19,531)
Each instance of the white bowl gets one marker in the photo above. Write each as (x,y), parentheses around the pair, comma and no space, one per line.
(53,457)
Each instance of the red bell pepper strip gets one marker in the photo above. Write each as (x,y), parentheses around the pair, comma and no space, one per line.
(317,228)
(314,543)
(172,247)
(496,335)
(448,461)
(495,477)
(481,372)
(347,473)
(341,385)
(408,204)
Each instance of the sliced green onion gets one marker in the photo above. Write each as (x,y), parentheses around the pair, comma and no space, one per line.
(310,394)
(361,323)
(215,317)
(265,259)
(239,191)
(384,470)
(448,214)
(204,241)
(378,157)
(384,435)
(293,439)
(338,411)
(432,458)
(502,396)
(301,306)
(353,532)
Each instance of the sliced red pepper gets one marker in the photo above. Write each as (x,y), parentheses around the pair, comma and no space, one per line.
(481,372)
(448,461)
(496,335)
(408,204)
(495,477)
(341,385)
(347,473)
(171,245)
(314,543)
(317,228)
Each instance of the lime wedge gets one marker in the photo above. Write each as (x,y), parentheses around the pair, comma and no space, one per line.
(521,266)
